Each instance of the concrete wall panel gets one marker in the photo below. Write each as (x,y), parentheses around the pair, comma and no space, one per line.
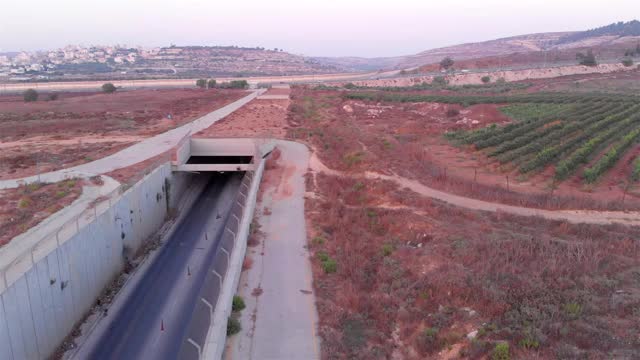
(14,323)
(41,307)
(5,340)
(37,310)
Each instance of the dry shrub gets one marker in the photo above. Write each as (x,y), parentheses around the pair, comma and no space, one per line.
(247,263)
(272,161)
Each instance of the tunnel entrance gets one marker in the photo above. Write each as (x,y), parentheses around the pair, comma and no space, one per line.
(213,159)
(216,155)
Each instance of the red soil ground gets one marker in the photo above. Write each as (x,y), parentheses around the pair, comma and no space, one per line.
(26,206)
(15,162)
(81,127)
(259,118)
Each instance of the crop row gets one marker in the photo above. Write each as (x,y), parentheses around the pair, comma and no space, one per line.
(611,157)
(580,156)
(487,133)
(523,133)
(535,142)
(548,154)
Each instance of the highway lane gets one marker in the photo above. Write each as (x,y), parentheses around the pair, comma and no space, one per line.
(153,321)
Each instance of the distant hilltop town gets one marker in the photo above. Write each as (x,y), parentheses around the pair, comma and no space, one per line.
(122,62)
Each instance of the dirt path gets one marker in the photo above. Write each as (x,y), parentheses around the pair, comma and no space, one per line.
(572,216)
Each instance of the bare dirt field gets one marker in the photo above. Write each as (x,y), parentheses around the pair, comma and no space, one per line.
(24,207)
(81,127)
(259,118)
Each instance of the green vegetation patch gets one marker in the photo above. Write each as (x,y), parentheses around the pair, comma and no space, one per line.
(525,112)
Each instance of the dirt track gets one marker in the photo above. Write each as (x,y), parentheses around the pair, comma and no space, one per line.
(572,216)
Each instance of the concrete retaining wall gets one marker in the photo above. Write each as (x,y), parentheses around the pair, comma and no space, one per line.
(49,295)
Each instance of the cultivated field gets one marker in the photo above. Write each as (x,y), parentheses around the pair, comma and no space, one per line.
(81,127)
(403,133)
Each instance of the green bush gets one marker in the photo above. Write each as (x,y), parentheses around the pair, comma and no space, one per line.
(322,256)
(201,83)
(52,97)
(109,88)
(353,158)
(235,84)
(486,79)
(387,249)
(529,343)
(237,304)
(211,84)
(428,340)
(30,95)
(627,62)
(573,310)
(24,203)
(501,352)
(317,240)
(233,326)
(329,266)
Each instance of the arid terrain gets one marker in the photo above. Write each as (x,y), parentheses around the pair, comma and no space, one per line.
(26,206)
(399,275)
(81,127)
(407,139)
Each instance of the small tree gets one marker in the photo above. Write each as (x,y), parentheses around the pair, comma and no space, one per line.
(486,79)
(627,62)
(52,97)
(239,84)
(30,95)
(211,83)
(446,63)
(109,88)
(201,83)
(587,60)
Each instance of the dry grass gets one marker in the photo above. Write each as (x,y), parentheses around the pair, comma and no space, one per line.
(397,275)
(414,280)
(26,206)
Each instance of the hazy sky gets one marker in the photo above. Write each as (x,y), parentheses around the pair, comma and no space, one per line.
(310,27)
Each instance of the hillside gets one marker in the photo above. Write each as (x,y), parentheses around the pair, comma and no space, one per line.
(610,41)
(220,61)
(619,29)
(121,62)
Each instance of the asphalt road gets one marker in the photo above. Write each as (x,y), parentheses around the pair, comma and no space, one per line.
(153,322)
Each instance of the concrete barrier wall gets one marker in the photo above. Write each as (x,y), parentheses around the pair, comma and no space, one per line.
(40,307)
